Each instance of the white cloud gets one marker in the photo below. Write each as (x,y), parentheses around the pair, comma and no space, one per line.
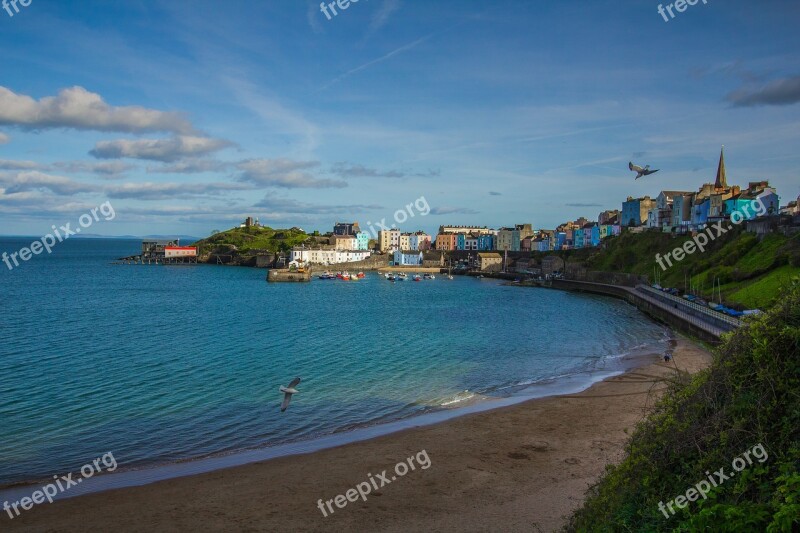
(77,108)
(166,150)
(37,181)
(284,173)
(7,164)
(196,166)
(106,169)
(4,138)
(166,191)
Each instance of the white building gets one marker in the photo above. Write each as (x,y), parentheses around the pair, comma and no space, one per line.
(329,257)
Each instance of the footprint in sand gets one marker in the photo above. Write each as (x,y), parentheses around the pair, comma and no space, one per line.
(537,446)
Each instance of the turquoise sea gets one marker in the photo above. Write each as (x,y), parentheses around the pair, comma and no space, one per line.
(164,364)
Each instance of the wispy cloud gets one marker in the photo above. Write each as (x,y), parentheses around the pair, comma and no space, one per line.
(39,181)
(784,91)
(166,150)
(284,173)
(106,169)
(7,164)
(346,170)
(381,59)
(452,211)
(4,138)
(287,205)
(169,191)
(381,16)
(191,166)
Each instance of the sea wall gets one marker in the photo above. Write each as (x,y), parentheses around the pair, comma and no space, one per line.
(673,317)
(280,275)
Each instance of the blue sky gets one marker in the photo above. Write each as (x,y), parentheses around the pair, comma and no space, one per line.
(189,116)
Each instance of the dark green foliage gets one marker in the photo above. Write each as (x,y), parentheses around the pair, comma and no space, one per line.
(245,240)
(750,396)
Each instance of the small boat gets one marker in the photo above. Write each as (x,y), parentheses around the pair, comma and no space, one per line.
(417,277)
(345,276)
(402,275)
(360,275)
(450,277)
(429,276)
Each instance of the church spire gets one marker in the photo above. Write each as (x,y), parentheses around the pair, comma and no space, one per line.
(722,181)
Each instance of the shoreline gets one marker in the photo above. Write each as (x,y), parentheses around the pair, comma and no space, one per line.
(570,383)
(497,458)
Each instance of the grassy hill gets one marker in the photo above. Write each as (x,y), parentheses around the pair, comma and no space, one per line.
(747,401)
(246,241)
(750,270)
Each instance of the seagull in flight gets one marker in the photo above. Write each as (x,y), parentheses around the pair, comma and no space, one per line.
(287,393)
(641,171)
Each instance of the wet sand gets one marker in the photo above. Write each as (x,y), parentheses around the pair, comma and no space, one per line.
(518,468)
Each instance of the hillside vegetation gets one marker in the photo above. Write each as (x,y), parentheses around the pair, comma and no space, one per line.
(749,271)
(750,397)
(245,241)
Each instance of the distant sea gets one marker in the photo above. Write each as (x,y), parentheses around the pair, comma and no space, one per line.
(160,364)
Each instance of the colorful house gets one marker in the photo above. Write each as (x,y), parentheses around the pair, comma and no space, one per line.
(362,240)
(410,259)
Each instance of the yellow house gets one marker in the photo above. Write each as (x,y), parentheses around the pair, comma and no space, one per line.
(490,261)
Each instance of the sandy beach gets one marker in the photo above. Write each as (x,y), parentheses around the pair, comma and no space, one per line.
(519,468)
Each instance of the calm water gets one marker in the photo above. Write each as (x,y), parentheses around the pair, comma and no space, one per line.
(159,364)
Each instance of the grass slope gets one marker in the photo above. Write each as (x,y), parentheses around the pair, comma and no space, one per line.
(246,240)
(748,269)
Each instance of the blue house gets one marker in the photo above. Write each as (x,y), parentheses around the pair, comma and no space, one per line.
(577,238)
(700,212)
(595,235)
(486,243)
(561,240)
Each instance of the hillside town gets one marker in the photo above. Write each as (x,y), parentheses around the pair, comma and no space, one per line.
(671,211)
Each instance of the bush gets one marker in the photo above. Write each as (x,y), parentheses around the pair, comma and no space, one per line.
(749,396)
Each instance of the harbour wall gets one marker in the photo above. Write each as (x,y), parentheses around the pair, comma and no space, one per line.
(703,328)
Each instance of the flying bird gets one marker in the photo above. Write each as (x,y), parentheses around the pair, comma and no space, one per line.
(287,393)
(641,171)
